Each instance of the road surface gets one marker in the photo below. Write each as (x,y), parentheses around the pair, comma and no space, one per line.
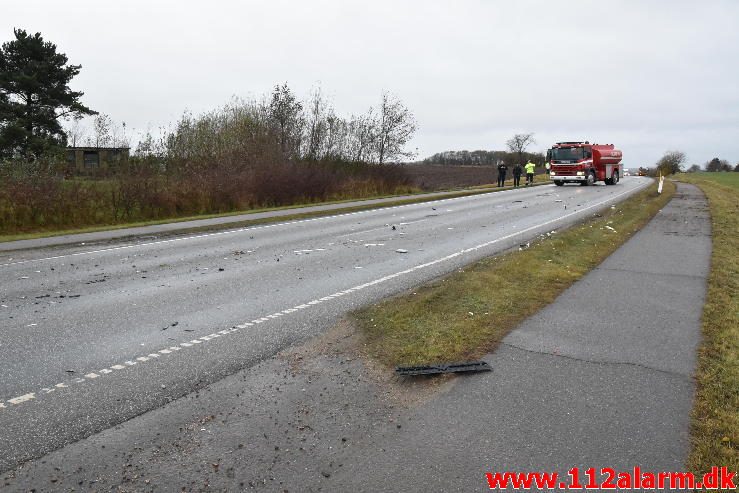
(90,338)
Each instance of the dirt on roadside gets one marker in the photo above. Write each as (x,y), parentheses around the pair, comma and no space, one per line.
(290,423)
(344,343)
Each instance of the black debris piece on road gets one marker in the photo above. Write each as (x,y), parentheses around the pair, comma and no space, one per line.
(472,366)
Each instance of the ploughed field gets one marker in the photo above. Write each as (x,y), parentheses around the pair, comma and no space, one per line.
(439,177)
(429,177)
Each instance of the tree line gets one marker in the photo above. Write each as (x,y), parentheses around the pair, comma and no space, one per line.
(672,162)
(35,101)
(482,158)
(517,152)
(281,127)
(272,151)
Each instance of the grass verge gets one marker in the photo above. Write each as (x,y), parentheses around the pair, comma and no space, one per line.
(420,198)
(715,418)
(466,314)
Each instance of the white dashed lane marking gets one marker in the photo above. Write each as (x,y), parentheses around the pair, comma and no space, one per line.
(22,398)
(222,333)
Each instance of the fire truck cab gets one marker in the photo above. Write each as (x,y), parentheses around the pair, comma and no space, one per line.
(584,163)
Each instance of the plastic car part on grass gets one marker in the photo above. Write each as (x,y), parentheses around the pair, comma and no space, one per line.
(472,366)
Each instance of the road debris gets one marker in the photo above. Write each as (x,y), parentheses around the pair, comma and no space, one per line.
(471,366)
(401,250)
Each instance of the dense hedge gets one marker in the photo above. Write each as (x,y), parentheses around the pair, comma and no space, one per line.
(47,201)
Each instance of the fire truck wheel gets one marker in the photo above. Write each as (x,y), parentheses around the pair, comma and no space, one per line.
(615,177)
(591,179)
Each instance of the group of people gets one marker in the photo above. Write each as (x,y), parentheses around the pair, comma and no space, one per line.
(517,172)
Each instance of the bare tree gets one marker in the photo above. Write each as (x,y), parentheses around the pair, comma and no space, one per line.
(316,124)
(286,113)
(694,168)
(118,137)
(76,132)
(361,136)
(519,143)
(671,162)
(336,142)
(102,126)
(395,127)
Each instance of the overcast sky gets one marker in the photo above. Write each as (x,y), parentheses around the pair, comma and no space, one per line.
(648,76)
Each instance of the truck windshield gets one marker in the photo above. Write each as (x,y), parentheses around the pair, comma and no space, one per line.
(567,153)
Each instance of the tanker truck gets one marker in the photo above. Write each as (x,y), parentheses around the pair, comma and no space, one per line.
(584,163)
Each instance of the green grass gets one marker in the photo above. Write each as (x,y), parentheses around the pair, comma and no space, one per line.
(466,314)
(726,178)
(715,418)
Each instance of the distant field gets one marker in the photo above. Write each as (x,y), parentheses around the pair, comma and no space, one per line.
(429,177)
(439,177)
(727,178)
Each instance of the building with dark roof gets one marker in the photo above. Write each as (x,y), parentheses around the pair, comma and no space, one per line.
(84,160)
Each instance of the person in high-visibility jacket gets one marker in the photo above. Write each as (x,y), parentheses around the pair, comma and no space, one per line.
(529,172)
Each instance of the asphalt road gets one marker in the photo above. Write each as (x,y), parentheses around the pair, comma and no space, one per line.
(92,338)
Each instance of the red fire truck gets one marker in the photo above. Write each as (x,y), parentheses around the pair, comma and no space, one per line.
(584,163)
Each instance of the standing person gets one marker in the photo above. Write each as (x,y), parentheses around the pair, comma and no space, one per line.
(530,173)
(502,168)
(517,172)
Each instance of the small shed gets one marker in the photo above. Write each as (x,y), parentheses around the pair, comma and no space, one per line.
(92,159)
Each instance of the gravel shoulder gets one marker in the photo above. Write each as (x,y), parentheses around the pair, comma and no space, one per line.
(285,424)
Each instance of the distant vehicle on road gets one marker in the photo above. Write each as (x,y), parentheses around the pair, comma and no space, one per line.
(584,163)
(627,172)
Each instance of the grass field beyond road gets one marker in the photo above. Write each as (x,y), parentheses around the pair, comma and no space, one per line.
(715,425)
(466,314)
